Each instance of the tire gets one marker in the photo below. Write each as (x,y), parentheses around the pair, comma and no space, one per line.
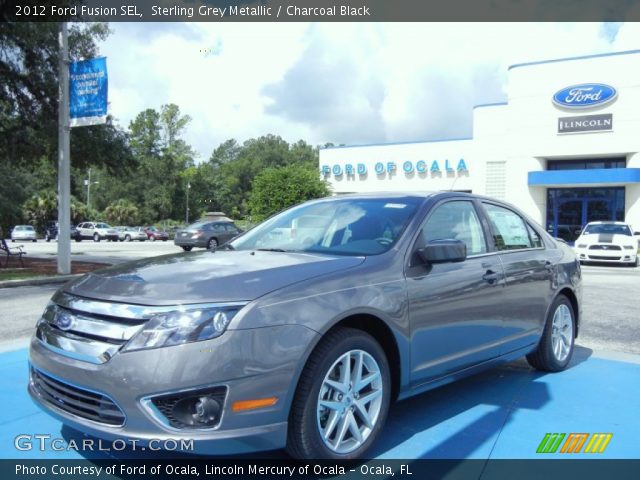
(187,249)
(308,417)
(46,238)
(152,238)
(164,239)
(96,237)
(212,243)
(34,240)
(127,238)
(545,357)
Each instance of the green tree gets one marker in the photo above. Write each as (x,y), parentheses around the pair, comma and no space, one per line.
(40,208)
(122,212)
(278,188)
(231,170)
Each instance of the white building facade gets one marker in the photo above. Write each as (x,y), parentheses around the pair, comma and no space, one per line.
(564,148)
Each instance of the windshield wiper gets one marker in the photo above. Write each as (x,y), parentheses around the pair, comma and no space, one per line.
(271,250)
(226,246)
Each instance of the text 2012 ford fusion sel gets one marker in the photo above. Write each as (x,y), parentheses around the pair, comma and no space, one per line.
(301,332)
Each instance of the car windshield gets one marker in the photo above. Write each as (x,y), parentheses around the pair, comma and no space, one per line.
(338,227)
(610,228)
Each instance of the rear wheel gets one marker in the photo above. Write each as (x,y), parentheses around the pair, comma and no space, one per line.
(187,249)
(127,238)
(342,398)
(555,349)
(46,237)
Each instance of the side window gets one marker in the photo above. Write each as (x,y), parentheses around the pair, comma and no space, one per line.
(218,228)
(456,220)
(230,228)
(509,229)
(535,238)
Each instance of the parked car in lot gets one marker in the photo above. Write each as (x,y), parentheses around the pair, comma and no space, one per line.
(52,228)
(610,242)
(154,233)
(97,231)
(205,235)
(128,234)
(305,342)
(24,233)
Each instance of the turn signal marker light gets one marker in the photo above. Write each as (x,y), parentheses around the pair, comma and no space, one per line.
(244,405)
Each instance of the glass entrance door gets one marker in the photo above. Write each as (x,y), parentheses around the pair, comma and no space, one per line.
(570,209)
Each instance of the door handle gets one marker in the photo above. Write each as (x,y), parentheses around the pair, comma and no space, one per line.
(491,277)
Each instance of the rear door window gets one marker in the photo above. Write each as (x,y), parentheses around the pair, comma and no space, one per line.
(510,231)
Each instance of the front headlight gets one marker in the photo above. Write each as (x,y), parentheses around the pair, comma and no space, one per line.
(182,326)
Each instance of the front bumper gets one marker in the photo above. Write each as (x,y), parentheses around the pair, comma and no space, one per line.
(252,364)
(606,256)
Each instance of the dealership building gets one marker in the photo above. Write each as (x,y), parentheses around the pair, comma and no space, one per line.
(564,147)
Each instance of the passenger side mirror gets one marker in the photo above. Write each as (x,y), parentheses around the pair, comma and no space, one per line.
(636,233)
(443,251)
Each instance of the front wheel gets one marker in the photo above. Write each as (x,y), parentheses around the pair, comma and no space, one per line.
(152,238)
(187,249)
(342,398)
(96,237)
(212,244)
(555,349)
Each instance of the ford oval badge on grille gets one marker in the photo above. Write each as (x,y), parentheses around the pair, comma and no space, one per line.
(585,95)
(63,321)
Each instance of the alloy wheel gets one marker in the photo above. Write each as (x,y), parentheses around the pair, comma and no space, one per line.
(562,332)
(349,401)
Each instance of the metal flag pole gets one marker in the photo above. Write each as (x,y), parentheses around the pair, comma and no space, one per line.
(64,177)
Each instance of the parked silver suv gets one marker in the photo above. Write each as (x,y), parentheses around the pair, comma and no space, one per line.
(301,332)
(97,231)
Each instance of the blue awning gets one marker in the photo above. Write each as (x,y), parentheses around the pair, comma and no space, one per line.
(585,177)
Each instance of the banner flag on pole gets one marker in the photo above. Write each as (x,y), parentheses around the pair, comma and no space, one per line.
(88,86)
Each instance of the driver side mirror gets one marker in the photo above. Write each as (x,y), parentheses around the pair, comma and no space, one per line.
(443,251)
(636,233)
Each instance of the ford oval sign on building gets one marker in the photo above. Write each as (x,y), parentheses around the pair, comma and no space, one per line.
(585,95)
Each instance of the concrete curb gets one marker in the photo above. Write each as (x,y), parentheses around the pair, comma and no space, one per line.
(30,282)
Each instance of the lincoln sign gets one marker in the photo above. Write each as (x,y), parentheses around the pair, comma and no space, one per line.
(586,123)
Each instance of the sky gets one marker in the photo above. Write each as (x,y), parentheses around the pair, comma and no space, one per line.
(346,83)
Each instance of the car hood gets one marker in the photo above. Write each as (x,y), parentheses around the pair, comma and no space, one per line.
(606,238)
(202,277)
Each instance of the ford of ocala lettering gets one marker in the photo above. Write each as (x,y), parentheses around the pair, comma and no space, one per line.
(302,332)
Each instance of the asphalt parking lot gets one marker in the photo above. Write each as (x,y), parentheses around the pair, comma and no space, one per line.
(502,413)
(109,252)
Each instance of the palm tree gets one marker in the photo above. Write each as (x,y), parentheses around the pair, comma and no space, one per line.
(122,212)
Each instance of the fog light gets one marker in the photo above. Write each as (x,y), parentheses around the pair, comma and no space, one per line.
(195,409)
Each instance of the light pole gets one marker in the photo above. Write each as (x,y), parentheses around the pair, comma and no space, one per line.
(187,209)
(88,183)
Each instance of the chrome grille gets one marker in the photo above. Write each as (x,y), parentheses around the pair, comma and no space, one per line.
(77,401)
(86,334)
